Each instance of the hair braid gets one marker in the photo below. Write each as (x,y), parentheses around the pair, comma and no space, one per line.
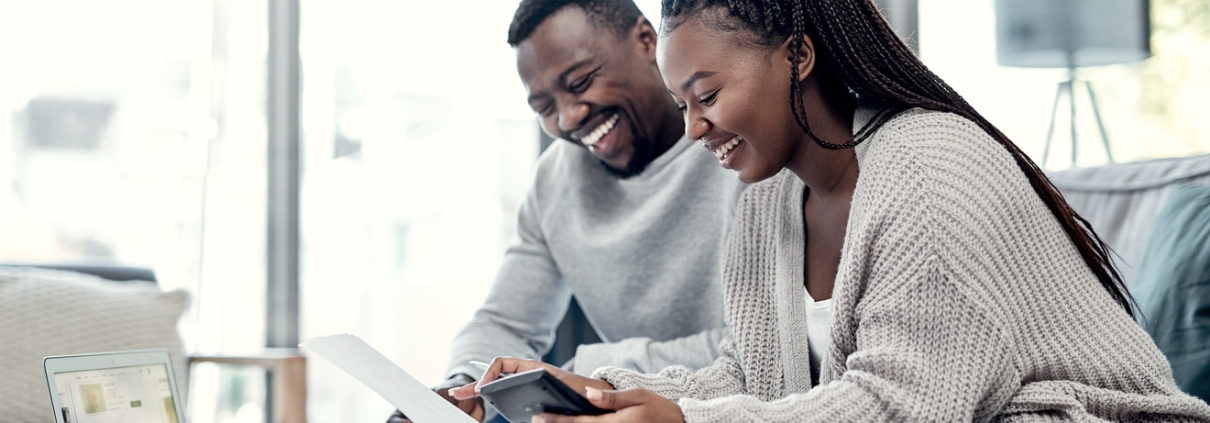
(865,54)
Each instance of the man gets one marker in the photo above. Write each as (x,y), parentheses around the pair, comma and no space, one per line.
(625,213)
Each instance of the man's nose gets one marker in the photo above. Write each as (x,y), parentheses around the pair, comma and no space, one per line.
(572,116)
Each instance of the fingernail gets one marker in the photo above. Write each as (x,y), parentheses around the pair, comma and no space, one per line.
(538,419)
(476,389)
(593,393)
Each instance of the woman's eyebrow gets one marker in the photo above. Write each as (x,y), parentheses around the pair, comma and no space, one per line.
(695,77)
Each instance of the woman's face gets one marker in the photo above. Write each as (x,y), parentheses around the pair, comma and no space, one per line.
(735,97)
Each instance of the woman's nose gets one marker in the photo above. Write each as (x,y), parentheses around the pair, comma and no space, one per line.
(696,128)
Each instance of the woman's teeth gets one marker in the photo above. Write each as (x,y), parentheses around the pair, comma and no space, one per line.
(596,134)
(726,147)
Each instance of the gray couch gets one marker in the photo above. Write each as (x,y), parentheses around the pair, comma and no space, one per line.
(1122,200)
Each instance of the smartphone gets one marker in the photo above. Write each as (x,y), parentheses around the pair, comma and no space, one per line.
(524,395)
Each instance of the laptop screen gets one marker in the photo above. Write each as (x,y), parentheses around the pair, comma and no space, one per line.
(137,394)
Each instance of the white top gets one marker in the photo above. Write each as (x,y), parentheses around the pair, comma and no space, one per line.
(819,337)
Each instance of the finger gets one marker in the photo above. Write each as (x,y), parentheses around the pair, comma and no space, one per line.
(467,391)
(454,382)
(493,371)
(616,400)
(502,365)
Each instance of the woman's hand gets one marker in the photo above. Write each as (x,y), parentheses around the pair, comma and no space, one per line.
(517,365)
(632,405)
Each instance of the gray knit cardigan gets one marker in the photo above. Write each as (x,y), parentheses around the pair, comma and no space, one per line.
(958,298)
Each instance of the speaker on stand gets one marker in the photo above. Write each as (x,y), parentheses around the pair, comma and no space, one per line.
(1072,34)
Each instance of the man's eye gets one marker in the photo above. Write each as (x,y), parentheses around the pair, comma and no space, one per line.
(580,84)
(545,111)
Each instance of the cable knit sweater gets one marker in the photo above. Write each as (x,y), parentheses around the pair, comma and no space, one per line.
(958,298)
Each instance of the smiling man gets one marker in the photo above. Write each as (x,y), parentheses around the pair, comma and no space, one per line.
(625,213)
(591,80)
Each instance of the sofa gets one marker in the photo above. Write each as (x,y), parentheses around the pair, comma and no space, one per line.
(1156,216)
(1122,200)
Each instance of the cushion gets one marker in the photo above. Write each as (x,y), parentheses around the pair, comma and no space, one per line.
(1173,287)
(1121,200)
(47,312)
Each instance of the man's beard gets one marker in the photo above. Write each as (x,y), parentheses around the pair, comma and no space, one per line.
(644,148)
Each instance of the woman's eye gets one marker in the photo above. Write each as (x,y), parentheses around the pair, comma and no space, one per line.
(708,99)
(681,107)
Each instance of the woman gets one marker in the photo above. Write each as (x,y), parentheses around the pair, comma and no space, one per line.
(899,260)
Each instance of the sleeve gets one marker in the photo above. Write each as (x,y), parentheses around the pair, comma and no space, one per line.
(724,377)
(927,354)
(644,355)
(525,305)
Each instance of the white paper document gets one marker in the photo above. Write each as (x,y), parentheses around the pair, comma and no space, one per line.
(363,362)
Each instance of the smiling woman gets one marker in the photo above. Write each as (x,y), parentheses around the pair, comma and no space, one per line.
(890,77)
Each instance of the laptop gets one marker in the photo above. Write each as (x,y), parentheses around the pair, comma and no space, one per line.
(128,387)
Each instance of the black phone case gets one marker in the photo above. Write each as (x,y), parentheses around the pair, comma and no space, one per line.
(524,395)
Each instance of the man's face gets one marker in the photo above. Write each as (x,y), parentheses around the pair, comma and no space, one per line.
(596,88)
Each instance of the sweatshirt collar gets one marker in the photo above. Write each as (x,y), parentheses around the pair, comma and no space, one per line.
(664,159)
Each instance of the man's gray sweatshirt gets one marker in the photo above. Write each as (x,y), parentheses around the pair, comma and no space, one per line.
(643,257)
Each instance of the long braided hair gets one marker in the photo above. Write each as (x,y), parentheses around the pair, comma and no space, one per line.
(869,59)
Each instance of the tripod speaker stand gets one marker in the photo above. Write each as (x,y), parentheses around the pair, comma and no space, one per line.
(1072,34)
(1070,87)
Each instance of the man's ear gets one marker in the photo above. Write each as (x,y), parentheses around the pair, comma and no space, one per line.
(645,34)
(806,56)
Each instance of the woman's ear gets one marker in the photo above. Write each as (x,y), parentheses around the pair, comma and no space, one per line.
(806,56)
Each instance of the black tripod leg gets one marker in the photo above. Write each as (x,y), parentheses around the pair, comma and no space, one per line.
(1096,111)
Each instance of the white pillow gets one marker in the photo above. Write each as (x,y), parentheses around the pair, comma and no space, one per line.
(47,312)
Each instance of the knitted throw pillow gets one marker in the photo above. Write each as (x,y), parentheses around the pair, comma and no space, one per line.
(45,312)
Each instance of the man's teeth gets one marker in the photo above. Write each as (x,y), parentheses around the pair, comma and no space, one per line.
(596,134)
(726,147)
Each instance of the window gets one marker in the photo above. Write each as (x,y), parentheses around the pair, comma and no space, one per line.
(419,146)
(133,131)
(1151,109)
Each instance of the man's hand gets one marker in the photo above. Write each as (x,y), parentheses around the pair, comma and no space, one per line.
(632,405)
(471,406)
(517,365)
